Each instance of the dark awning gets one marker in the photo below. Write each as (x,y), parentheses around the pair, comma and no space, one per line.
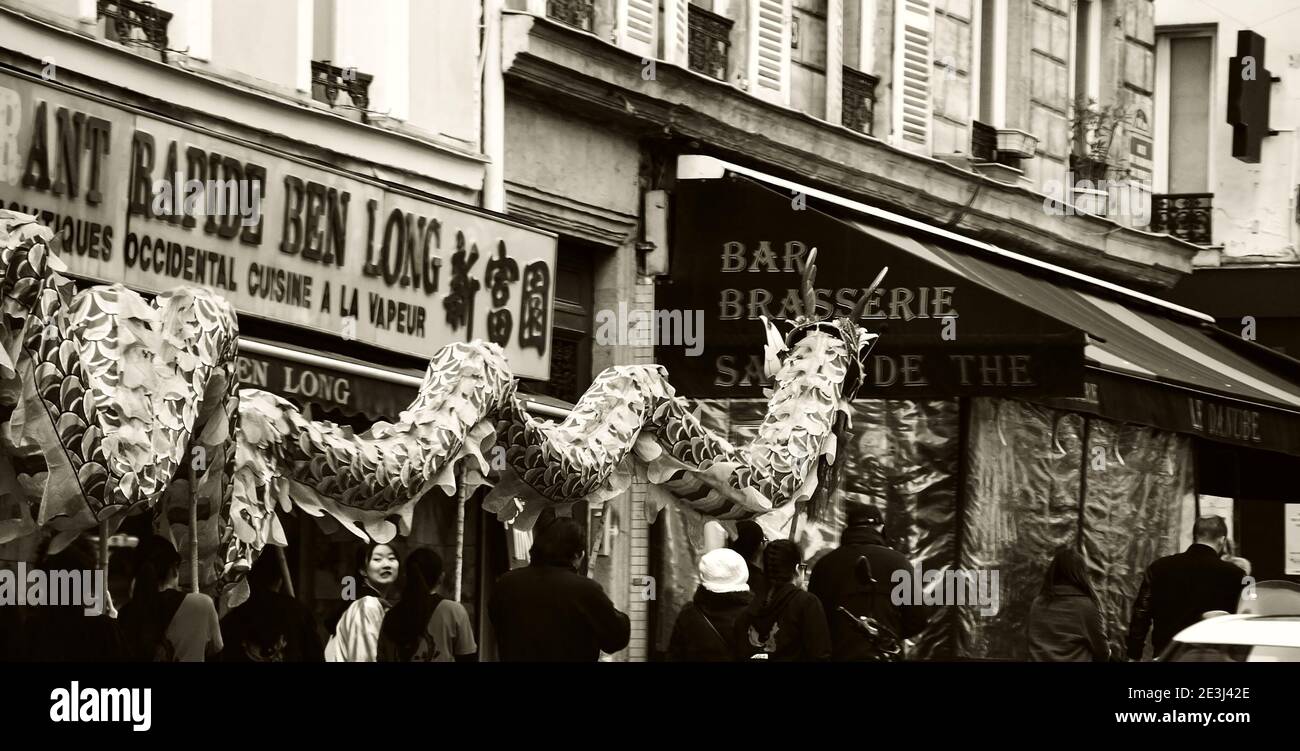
(326,380)
(957,317)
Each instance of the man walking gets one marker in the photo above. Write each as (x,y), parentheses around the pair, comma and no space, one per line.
(548,612)
(1177,589)
(856,577)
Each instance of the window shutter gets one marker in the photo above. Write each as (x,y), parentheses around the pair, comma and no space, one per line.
(769,50)
(676,31)
(913,71)
(635,25)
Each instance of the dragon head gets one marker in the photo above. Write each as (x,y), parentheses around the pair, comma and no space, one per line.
(858,339)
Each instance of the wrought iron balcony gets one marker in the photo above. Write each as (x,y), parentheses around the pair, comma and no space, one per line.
(709,42)
(580,14)
(328,80)
(1187,216)
(859,100)
(131,22)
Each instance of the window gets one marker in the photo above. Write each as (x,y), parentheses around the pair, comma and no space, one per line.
(1189,113)
(1087,51)
(709,45)
(993,62)
(913,73)
(1183,202)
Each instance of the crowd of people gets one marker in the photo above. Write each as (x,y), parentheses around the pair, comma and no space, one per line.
(755,600)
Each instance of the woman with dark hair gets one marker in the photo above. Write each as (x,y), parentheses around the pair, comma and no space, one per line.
(356,638)
(161,623)
(749,543)
(424,626)
(1064,623)
(789,624)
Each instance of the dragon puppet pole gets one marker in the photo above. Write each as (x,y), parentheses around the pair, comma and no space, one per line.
(194,528)
(103,546)
(284,570)
(462,497)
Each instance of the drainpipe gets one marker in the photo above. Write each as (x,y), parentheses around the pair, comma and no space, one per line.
(494,109)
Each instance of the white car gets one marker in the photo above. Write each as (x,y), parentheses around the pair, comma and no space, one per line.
(1266,628)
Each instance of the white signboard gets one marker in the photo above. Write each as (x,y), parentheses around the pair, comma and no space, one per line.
(154,205)
(1291,530)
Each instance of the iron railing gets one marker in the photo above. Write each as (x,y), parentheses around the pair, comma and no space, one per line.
(131,22)
(1187,216)
(580,14)
(709,42)
(328,80)
(859,100)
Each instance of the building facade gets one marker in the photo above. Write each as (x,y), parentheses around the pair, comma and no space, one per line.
(323,166)
(1242,208)
(604,132)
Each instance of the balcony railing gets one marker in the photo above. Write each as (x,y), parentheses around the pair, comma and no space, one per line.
(130,22)
(580,14)
(709,42)
(328,80)
(1187,216)
(859,100)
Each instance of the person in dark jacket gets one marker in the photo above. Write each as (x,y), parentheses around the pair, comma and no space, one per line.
(789,624)
(1178,589)
(749,543)
(548,612)
(66,632)
(705,630)
(1064,624)
(270,626)
(842,579)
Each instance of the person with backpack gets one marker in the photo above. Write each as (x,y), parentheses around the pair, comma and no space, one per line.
(788,625)
(853,583)
(705,630)
(162,623)
(425,626)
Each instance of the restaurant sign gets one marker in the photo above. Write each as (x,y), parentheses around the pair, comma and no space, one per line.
(738,254)
(155,204)
(346,392)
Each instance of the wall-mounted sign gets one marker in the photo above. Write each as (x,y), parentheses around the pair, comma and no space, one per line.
(738,255)
(154,205)
(1250,86)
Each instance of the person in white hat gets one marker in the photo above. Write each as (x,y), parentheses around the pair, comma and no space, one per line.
(705,630)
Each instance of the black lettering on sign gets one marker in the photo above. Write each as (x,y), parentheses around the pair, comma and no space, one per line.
(142,159)
(69,170)
(291,241)
(534,307)
(36,175)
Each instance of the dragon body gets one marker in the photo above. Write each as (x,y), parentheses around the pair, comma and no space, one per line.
(116,392)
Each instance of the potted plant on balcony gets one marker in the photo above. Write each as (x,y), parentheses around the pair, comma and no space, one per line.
(1094,127)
